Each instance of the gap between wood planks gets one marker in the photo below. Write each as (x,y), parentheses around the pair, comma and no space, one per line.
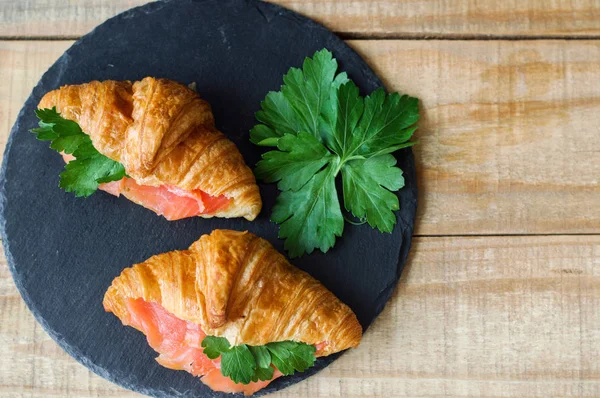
(377,36)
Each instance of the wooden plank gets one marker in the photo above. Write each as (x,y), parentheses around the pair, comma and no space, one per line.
(509,138)
(21,66)
(456,18)
(479,316)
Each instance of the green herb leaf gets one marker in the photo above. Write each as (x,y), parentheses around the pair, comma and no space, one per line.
(90,168)
(263,374)
(310,217)
(367,185)
(289,356)
(308,89)
(263,371)
(215,346)
(321,126)
(244,363)
(238,364)
(343,121)
(298,106)
(302,357)
(277,113)
(269,141)
(385,123)
(280,357)
(83,176)
(261,355)
(298,159)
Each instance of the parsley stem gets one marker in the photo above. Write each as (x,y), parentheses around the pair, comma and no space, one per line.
(361,222)
(338,165)
(355,157)
(345,160)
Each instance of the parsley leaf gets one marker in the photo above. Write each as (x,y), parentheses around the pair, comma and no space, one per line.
(238,364)
(278,113)
(280,356)
(302,357)
(263,374)
(386,123)
(289,356)
(310,217)
(298,159)
(263,371)
(367,186)
(214,346)
(244,363)
(301,101)
(308,89)
(322,127)
(262,356)
(90,168)
(343,117)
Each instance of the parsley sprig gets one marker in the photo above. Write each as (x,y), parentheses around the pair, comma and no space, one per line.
(322,127)
(89,168)
(244,363)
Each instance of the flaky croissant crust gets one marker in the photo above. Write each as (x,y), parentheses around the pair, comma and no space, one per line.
(163,133)
(236,285)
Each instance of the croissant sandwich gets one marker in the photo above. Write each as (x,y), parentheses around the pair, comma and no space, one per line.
(175,161)
(231,295)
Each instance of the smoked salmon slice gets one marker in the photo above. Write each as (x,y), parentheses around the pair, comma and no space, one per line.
(216,381)
(179,344)
(165,200)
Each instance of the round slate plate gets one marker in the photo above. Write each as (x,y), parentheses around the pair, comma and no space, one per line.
(64,252)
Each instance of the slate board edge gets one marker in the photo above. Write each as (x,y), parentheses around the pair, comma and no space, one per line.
(276,11)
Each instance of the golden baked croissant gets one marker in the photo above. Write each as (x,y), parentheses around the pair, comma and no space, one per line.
(164,134)
(234,285)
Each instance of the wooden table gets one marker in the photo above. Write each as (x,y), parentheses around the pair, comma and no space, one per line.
(501,296)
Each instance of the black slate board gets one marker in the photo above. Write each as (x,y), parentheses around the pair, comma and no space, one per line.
(64,252)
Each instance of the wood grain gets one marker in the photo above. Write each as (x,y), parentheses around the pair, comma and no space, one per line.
(367,18)
(509,136)
(21,66)
(478,316)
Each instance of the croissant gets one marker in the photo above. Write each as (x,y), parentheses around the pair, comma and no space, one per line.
(178,163)
(234,285)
